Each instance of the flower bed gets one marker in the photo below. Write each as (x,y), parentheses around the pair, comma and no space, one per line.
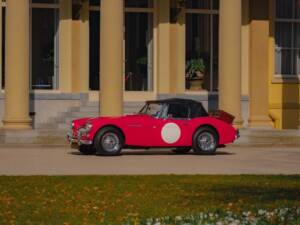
(281,216)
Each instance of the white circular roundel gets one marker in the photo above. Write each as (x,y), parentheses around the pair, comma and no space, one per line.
(170,133)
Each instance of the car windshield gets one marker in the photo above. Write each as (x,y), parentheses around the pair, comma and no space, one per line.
(157,110)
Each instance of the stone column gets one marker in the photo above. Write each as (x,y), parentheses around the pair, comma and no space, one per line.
(230,58)
(164,57)
(84,46)
(65,45)
(177,49)
(259,64)
(17,65)
(80,49)
(111,57)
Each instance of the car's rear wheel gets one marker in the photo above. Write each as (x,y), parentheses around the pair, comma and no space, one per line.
(87,150)
(182,150)
(109,141)
(205,141)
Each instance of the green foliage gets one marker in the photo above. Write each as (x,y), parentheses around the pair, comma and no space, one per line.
(195,65)
(118,199)
(143,61)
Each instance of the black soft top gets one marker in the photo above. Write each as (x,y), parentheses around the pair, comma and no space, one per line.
(174,100)
(196,108)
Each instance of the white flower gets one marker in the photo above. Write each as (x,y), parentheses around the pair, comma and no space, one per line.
(261,212)
(177,218)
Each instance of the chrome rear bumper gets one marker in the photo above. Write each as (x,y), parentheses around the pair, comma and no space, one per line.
(237,135)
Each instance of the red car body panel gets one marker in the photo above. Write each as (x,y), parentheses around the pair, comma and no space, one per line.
(146,131)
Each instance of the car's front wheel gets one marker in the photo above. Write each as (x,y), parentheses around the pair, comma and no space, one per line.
(109,141)
(205,141)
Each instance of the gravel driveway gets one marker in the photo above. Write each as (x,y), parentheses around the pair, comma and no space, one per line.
(20,160)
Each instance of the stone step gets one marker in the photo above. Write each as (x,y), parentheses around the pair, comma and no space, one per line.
(57,136)
(268,137)
(83,114)
(36,136)
(269,133)
(89,109)
(126,104)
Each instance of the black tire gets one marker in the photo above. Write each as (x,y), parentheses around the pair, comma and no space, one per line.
(104,142)
(87,150)
(209,143)
(182,150)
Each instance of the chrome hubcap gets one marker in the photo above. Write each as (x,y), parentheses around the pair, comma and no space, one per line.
(206,141)
(110,142)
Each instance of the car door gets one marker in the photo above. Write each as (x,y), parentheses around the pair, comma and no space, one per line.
(175,129)
(170,129)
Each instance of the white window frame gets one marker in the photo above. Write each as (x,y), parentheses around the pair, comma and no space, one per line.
(279,77)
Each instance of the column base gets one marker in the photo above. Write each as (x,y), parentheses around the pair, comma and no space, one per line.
(238,122)
(260,122)
(17,124)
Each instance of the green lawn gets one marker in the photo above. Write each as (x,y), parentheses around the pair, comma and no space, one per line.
(115,199)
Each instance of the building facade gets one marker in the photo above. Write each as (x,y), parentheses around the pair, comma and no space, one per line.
(246,54)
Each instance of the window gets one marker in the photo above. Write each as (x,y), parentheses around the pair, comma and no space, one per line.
(139,3)
(94,49)
(95,2)
(44,44)
(287,37)
(138,49)
(138,45)
(202,39)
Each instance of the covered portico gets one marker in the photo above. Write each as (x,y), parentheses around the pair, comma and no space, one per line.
(169,56)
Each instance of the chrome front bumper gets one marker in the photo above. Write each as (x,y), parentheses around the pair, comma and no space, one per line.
(77,140)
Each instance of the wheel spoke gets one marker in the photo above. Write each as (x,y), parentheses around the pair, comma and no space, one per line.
(110,142)
(206,141)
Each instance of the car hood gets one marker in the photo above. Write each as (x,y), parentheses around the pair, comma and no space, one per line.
(80,122)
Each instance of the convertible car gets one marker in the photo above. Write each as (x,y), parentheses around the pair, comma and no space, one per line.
(179,124)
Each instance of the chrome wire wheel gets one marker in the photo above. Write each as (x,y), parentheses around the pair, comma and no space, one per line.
(206,141)
(110,142)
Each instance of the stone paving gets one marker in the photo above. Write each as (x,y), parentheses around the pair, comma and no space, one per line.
(30,160)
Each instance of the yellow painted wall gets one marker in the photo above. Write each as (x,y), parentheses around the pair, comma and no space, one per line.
(283,94)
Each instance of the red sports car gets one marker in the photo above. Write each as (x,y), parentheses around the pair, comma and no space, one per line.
(179,124)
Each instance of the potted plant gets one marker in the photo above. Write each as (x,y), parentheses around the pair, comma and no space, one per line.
(195,69)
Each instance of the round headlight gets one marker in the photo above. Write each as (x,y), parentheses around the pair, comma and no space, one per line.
(88,127)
